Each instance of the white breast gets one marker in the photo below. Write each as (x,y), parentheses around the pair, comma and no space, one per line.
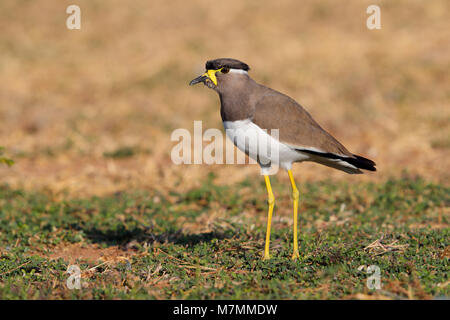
(262,145)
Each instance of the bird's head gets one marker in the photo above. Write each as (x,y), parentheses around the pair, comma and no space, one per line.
(218,71)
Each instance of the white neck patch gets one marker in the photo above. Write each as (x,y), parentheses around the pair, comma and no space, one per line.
(238,71)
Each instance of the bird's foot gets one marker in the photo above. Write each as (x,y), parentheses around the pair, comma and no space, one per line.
(295,255)
(266,256)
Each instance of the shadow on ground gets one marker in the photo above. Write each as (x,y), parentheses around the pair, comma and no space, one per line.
(123,237)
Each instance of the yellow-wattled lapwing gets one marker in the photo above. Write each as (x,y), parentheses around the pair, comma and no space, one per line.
(251,107)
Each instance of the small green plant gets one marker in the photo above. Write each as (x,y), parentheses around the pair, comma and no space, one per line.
(5,160)
(120,153)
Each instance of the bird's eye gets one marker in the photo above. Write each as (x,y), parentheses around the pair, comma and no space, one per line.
(225,70)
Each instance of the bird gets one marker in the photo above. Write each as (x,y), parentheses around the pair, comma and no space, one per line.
(248,106)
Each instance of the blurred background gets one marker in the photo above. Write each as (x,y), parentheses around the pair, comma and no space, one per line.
(91,111)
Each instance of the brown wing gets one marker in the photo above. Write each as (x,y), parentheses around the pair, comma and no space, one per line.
(296,126)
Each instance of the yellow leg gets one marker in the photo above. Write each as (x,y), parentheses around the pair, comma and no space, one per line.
(271,201)
(295,196)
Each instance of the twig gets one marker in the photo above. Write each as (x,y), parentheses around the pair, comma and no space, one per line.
(14,269)
(93,268)
(186,264)
(386,248)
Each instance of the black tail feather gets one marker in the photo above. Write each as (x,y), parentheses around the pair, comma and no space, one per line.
(361,162)
(357,161)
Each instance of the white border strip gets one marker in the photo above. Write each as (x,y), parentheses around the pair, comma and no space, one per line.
(238,71)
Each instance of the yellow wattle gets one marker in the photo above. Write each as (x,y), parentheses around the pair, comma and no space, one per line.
(212,75)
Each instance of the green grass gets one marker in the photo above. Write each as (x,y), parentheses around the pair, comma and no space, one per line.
(4,160)
(168,253)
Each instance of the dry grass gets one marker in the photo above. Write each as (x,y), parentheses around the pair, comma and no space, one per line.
(69,97)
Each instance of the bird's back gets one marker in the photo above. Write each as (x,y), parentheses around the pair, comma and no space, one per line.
(297,128)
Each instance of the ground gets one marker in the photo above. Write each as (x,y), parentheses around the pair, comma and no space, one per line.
(208,243)
(87,117)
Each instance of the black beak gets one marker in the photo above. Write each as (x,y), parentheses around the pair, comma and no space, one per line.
(198,79)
